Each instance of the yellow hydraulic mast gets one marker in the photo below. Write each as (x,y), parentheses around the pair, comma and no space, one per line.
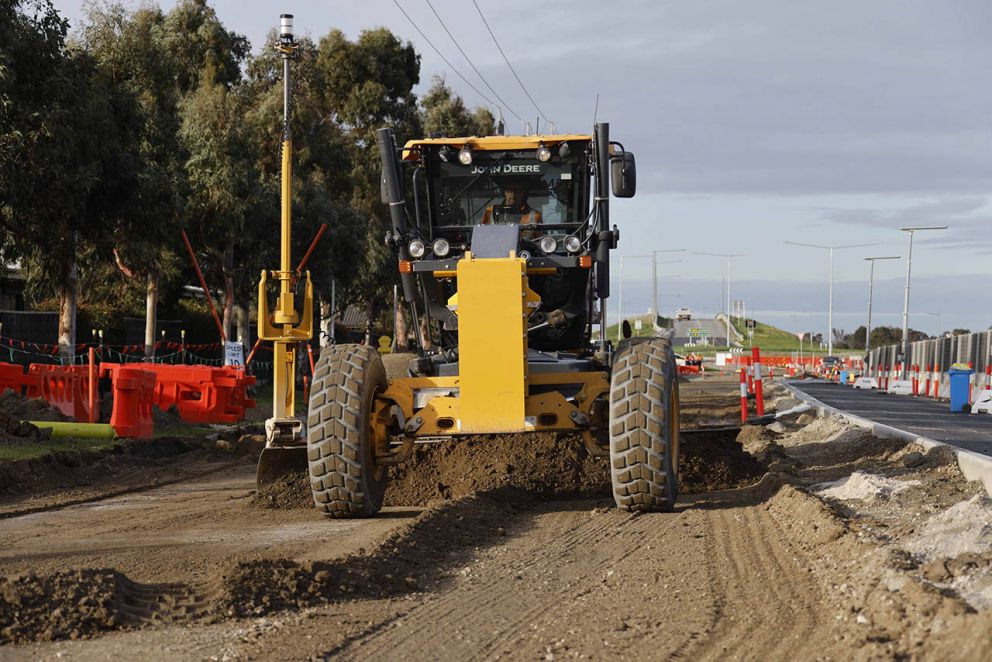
(284,327)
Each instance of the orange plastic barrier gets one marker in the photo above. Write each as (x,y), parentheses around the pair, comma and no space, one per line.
(12,376)
(65,387)
(134,388)
(202,394)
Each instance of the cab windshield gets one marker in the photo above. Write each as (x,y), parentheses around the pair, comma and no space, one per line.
(509,189)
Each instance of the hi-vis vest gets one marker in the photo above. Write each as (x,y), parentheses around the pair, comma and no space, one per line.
(532,217)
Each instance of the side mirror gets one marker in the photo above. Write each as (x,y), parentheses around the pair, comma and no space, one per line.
(623,174)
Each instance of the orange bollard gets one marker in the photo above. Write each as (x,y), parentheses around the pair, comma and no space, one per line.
(926,383)
(936,382)
(759,395)
(743,396)
(750,375)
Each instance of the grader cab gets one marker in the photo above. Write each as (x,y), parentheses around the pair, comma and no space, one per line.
(503,247)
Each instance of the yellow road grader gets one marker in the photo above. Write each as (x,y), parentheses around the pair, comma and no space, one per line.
(503,248)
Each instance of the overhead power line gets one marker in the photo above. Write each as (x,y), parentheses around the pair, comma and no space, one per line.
(470,63)
(450,66)
(507,60)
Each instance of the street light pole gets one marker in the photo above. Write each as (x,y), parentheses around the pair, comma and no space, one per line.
(620,298)
(657,304)
(830,285)
(654,279)
(871,284)
(729,257)
(905,305)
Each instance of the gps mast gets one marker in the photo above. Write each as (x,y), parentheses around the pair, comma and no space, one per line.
(285,443)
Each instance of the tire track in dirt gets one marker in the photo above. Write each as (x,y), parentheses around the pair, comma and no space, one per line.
(489,618)
(765,583)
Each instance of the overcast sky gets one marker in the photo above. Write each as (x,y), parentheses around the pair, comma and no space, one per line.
(753,123)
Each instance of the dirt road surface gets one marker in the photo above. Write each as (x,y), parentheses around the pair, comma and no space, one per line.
(200,570)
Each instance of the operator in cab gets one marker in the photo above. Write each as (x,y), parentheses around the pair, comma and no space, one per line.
(514,208)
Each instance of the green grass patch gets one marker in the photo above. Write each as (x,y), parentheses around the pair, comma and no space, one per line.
(32,449)
(773,339)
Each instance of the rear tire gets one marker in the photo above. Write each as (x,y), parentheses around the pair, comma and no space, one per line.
(344,478)
(644,427)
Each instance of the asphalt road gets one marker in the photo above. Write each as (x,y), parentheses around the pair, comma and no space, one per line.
(917,415)
(717,330)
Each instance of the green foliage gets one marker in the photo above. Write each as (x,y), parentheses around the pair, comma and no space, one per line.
(880,335)
(445,114)
(151,121)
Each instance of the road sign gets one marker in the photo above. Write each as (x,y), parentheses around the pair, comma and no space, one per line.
(751,324)
(637,325)
(234,353)
(699,333)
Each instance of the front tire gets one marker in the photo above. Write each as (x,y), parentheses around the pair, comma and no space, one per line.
(344,479)
(644,427)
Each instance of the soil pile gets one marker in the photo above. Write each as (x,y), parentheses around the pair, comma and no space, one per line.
(544,464)
(16,407)
(417,557)
(288,492)
(862,485)
(64,605)
(710,461)
(964,528)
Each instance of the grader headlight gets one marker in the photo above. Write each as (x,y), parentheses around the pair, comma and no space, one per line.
(548,244)
(417,249)
(441,248)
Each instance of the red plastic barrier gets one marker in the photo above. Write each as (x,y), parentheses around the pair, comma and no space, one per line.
(65,387)
(202,394)
(134,388)
(12,376)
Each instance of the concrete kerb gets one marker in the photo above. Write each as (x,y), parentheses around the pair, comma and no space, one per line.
(974,466)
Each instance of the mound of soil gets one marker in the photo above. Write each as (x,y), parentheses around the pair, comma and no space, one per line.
(415,558)
(64,605)
(16,407)
(710,461)
(543,464)
(166,418)
(289,492)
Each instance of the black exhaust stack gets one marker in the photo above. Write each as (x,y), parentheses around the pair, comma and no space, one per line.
(605,236)
(392,190)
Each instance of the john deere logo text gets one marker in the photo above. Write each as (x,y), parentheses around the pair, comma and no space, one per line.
(506,169)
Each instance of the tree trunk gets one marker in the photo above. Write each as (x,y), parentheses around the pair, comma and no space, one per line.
(425,333)
(68,299)
(369,314)
(243,331)
(326,323)
(228,321)
(151,315)
(402,343)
